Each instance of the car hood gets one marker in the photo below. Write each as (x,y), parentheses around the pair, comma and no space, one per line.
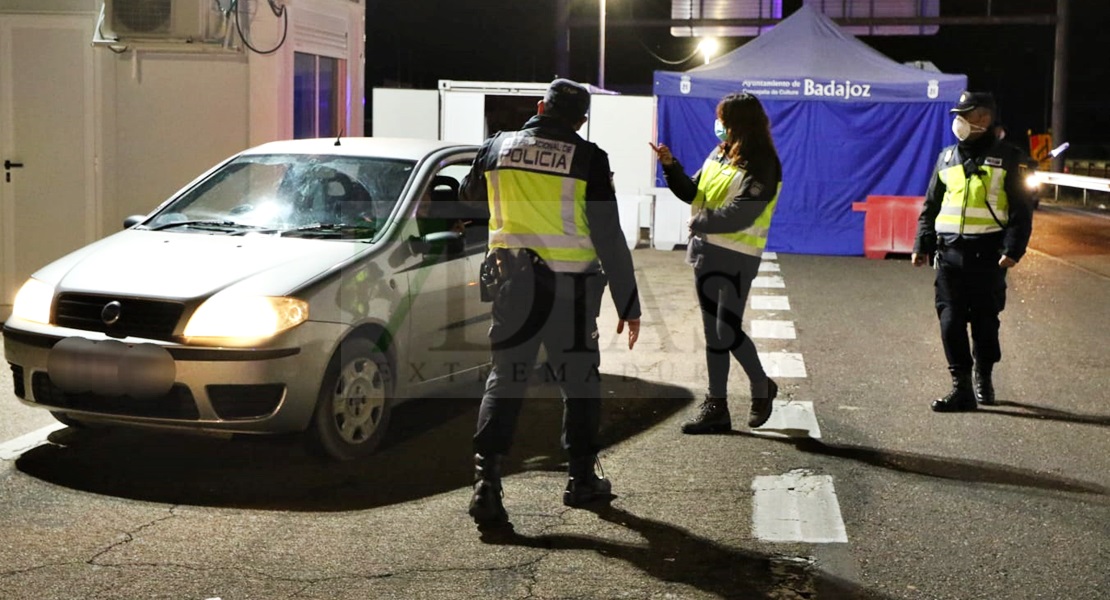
(190,265)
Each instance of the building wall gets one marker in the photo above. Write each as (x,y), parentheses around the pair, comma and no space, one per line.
(175,116)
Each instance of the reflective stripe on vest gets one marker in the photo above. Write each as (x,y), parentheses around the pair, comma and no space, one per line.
(542,208)
(968,201)
(718,185)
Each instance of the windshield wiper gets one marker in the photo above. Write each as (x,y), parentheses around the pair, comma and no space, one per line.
(204,223)
(332,229)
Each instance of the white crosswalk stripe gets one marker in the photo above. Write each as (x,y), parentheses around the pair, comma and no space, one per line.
(797,507)
(791,419)
(777,330)
(768,281)
(13,449)
(783,364)
(770,303)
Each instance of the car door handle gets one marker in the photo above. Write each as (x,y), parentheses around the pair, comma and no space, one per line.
(9,165)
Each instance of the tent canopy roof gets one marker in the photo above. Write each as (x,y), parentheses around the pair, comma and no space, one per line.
(808,57)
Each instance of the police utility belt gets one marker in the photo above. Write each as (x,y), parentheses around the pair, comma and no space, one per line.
(500,266)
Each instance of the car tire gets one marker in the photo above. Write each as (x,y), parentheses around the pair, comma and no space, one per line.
(354,402)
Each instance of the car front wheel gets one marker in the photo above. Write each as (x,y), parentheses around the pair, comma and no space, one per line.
(353,406)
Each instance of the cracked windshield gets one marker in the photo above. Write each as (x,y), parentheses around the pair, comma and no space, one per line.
(291,195)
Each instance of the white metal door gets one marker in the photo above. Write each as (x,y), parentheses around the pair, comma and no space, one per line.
(47,203)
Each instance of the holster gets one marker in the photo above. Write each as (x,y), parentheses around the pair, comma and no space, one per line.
(500,265)
(489,279)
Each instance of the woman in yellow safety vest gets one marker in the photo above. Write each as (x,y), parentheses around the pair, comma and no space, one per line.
(732,198)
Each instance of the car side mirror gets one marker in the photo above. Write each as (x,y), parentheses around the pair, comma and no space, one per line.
(133,220)
(440,242)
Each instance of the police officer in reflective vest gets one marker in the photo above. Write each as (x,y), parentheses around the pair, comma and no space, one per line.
(732,198)
(975,224)
(555,238)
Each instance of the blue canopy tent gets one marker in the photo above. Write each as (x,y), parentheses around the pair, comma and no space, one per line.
(848,122)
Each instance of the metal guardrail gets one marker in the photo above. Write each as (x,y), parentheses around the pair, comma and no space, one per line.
(1084,182)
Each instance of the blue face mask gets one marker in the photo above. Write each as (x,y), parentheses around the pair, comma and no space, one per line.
(720,131)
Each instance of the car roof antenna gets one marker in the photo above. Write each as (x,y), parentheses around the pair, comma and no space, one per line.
(338,136)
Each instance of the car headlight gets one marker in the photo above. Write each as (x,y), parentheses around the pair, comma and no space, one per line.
(32,302)
(230,316)
(1032,181)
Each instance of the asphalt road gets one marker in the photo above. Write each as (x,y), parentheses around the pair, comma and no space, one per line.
(1007,502)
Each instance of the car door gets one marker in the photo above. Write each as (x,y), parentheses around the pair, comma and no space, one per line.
(449,323)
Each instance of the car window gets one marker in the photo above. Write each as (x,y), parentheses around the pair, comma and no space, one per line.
(305,195)
(440,209)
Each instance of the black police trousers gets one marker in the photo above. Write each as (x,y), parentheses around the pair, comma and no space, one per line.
(970,290)
(722,294)
(534,306)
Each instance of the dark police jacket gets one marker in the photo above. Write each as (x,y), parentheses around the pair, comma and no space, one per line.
(987,150)
(601,203)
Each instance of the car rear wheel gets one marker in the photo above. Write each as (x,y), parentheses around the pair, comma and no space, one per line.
(353,406)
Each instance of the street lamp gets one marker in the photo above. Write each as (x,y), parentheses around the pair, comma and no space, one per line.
(601,46)
(708,47)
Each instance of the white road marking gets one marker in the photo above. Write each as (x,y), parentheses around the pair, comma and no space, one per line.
(13,449)
(791,419)
(769,266)
(783,364)
(768,281)
(770,256)
(775,330)
(770,303)
(797,507)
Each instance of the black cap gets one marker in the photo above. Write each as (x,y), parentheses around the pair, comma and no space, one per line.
(972,100)
(567,99)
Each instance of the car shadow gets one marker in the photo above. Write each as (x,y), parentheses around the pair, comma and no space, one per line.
(427,451)
(672,554)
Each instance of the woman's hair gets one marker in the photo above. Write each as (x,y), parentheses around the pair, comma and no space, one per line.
(749,129)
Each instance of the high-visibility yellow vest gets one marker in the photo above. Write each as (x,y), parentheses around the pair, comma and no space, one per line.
(975,204)
(537,200)
(718,185)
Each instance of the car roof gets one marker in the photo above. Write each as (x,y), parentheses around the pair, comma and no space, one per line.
(381,147)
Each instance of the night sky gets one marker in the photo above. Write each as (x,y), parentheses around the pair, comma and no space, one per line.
(417,43)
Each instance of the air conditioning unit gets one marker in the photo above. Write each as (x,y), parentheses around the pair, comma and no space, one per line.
(158,19)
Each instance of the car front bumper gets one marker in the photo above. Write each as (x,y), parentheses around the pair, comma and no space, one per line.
(92,377)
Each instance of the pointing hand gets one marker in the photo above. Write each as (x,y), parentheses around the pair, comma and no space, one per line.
(664,154)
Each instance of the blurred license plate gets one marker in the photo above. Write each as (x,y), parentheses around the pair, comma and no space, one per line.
(110,368)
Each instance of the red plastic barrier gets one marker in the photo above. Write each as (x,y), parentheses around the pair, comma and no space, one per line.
(889,224)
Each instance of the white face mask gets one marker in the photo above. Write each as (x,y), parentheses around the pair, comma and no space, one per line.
(963,129)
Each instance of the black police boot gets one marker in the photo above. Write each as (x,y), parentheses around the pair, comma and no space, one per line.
(960,399)
(984,387)
(712,417)
(762,403)
(485,505)
(583,485)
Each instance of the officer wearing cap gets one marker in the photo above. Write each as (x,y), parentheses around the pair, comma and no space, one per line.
(975,224)
(555,238)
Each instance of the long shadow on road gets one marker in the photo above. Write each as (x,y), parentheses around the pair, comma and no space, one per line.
(675,555)
(943,467)
(427,451)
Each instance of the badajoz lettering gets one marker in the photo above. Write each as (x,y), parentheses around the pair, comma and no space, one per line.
(833,89)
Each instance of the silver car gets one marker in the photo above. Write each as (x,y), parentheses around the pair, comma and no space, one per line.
(299,286)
